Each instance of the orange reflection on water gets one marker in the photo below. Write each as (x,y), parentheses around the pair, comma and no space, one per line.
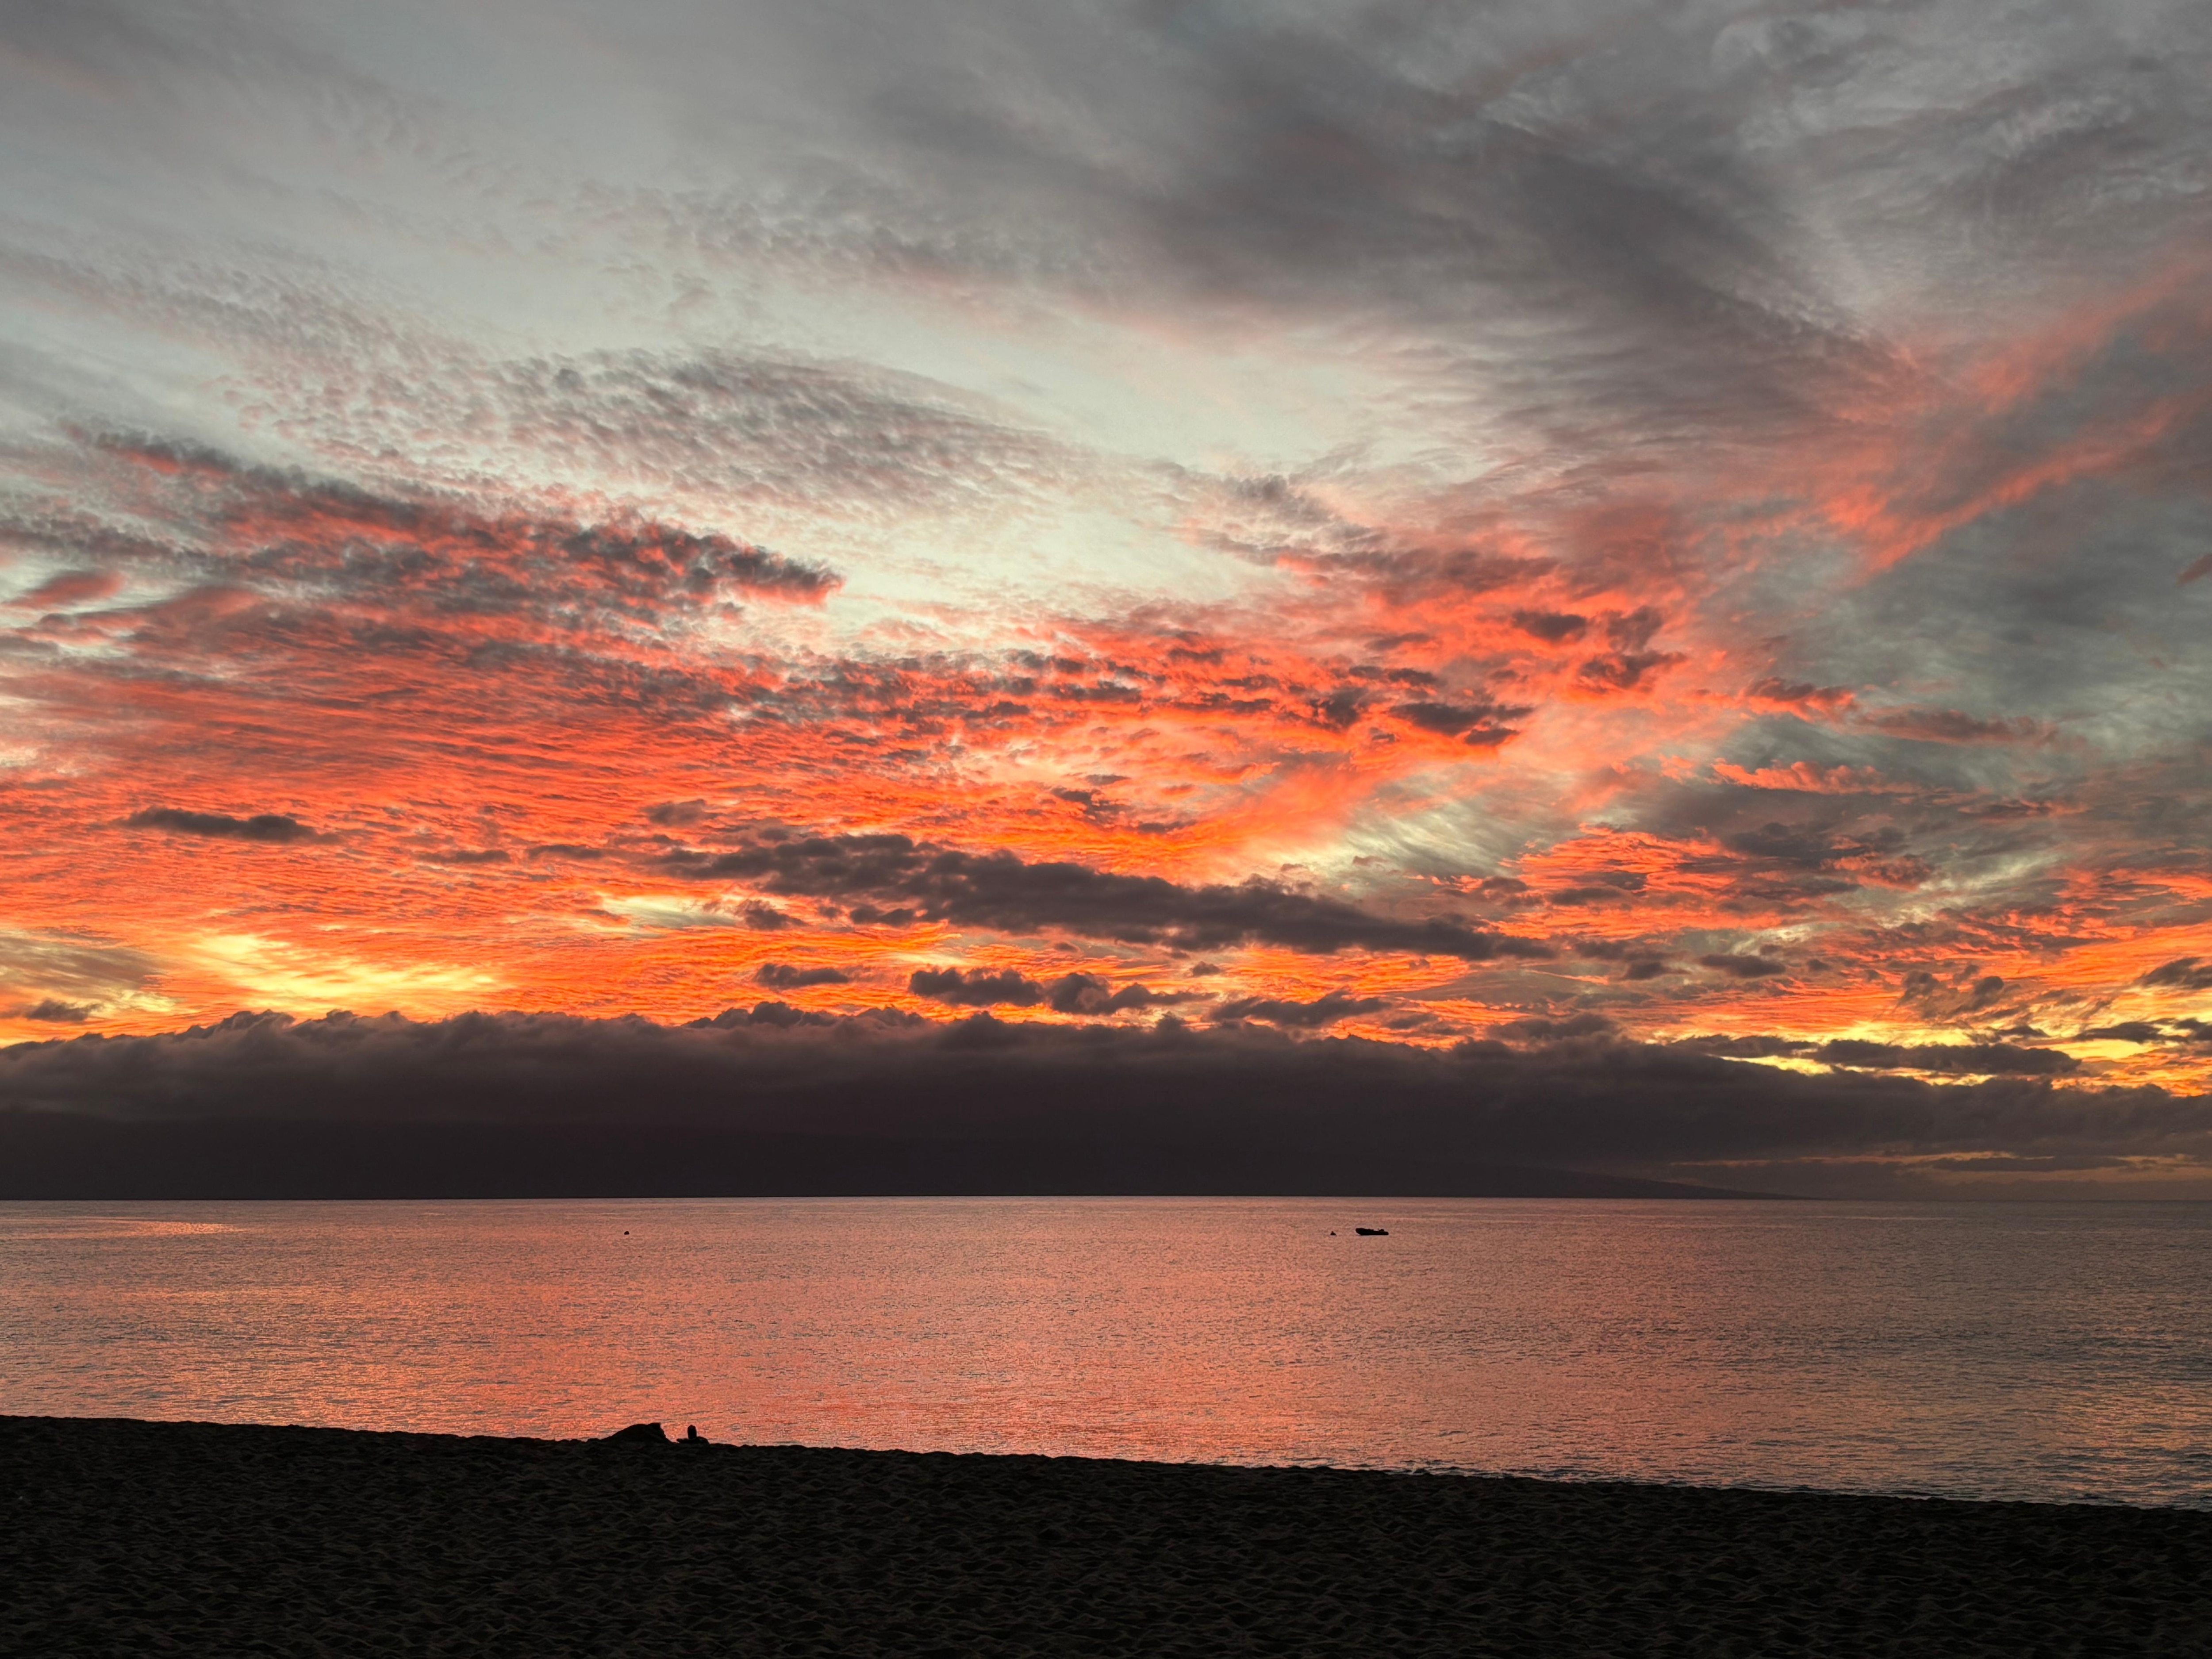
(2024,1350)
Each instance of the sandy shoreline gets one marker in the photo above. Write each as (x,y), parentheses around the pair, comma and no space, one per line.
(128,1537)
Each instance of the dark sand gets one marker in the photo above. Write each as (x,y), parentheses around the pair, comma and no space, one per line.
(151,1537)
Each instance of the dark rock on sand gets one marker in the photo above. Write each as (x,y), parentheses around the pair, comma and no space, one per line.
(650,1434)
(198,1539)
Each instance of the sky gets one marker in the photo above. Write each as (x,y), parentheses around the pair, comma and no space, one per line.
(1648,555)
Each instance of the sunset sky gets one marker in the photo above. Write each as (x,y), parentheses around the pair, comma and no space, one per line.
(1577,536)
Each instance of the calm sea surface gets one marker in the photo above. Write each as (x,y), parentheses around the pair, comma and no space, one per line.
(2016,1351)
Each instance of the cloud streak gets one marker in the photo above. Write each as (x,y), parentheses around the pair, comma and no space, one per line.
(270,828)
(897,880)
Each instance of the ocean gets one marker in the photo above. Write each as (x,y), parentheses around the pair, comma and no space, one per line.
(2015,1351)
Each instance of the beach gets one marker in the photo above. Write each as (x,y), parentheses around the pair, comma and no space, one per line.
(193,1538)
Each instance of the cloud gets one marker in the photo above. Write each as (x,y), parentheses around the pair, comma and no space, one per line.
(1949,725)
(1452,182)
(1553,627)
(1537,1029)
(70,588)
(1803,777)
(1325,1010)
(436,553)
(976,988)
(788,976)
(52,1010)
(1970,993)
(1046,1108)
(2182,974)
(894,874)
(1480,725)
(276,828)
(58,971)
(772,433)
(1087,994)
(1798,695)
(1971,1059)
(1737,966)
(1957,1059)
(2129,1031)
(1623,671)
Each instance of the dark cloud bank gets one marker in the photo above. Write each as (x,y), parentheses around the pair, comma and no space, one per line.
(775,1101)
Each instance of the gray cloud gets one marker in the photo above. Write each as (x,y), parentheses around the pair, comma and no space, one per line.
(54,1011)
(1291,1014)
(1071,994)
(1087,994)
(1743,967)
(846,440)
(1553,627)
(976,988)
(2131,1030)
(1480,725)
(274,828)
(1228,1107)
(1949,725)
(432,556)
(1539,1030)
(789,977)
(2182,974)
(893,878)
(1954,1059)
(1667,202)
(1937,1000)
(1315,168)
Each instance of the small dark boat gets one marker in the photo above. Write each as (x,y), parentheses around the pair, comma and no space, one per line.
(1372,1232)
